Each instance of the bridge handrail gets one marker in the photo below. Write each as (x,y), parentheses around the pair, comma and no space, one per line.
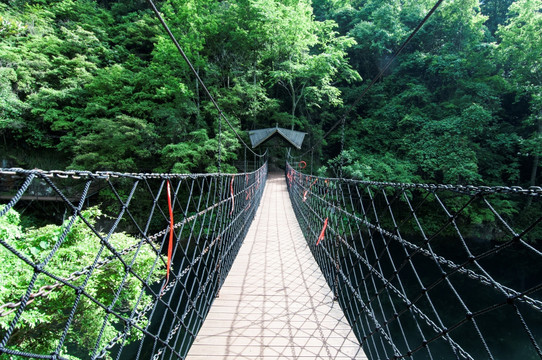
(212,215)
(463,189)
(384,250)
(78,174)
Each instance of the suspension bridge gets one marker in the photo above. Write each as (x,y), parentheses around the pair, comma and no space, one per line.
(239,266)
(220,267)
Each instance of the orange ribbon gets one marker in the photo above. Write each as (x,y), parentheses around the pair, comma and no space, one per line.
(232,197)
(322,232)
(171,224)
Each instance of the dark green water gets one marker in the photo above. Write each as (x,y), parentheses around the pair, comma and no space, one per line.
(498,328)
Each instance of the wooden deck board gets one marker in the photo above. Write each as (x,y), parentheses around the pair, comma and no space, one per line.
(275,303)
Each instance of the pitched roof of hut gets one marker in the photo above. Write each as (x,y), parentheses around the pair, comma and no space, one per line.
(258,137)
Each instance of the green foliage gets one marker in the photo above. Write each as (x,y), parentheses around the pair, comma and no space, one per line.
(43,321)
(76,71)
(11,107)
(114,143)
(10,226)
(376,167)
(443,111)
(520,44)
(196,154)
(11,28)
(519,52)
(104,86)
(311,61)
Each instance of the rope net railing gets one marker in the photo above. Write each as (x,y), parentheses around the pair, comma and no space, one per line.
(429,271)
(109,280)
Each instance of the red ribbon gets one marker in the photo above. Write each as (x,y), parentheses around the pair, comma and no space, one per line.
(322,232)
(302,164)
(171,224)
(232,197)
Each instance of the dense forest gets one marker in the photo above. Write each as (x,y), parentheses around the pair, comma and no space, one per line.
(98,85)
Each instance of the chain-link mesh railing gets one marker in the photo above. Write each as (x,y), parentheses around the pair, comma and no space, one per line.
(92,284)
(429,271)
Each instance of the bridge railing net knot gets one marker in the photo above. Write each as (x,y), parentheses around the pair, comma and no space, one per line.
(429,271)
(92,283)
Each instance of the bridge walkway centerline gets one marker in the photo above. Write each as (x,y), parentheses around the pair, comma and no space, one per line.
(275,302)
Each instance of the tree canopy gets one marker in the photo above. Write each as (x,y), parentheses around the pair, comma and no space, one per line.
(98,85)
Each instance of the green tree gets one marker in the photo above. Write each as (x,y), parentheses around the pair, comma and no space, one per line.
(438,109)
(121,144)
(519,51)
(309,58)
(197,153)
(43,321)
(11,107)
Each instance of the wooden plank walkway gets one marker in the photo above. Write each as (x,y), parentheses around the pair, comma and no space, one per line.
(275,303)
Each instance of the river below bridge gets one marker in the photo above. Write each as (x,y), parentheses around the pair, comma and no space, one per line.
(501,329)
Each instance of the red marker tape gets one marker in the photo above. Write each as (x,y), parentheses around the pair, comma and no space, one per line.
(322,232)
(171,224)
(232,197)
